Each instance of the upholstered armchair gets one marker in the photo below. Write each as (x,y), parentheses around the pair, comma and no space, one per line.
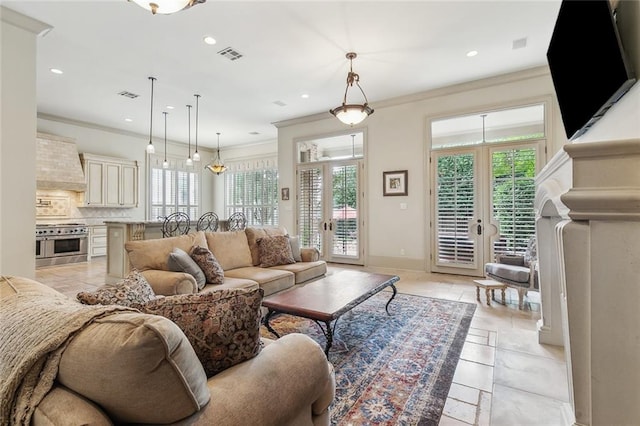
(516,271)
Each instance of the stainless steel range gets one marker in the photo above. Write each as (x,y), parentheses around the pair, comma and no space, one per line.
(61,243)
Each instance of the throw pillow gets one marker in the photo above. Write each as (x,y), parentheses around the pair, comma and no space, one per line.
(209,264)
(222,326)
(180,261)
(133,289)
(275,250)
(294,241)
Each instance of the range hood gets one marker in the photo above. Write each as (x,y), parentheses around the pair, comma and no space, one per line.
(58,164)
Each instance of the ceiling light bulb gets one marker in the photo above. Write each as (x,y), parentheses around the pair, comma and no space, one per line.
(56,71)
(163,6)
(170,107)
(472,53)
(196,156)
(304,96)
(209,40)
(150,148)
(189,162)
(165,164)
(128,120)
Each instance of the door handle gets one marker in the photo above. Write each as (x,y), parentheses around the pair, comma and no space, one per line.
(330,226)
(479,229)
(325,225)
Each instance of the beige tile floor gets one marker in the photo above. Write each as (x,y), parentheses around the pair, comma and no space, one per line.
(503,377)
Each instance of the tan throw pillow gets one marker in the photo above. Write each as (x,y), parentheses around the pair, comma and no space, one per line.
(222,326)
(275,250)
(255,233)
(132,290)
(209,264)
(180,261)
(230,248)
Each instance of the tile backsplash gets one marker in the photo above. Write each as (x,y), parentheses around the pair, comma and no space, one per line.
(59,206)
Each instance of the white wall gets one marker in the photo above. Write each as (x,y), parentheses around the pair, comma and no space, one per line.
(397,139)
(18,35)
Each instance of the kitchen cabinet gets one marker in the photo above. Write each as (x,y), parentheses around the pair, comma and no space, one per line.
(111,182)
(97,240)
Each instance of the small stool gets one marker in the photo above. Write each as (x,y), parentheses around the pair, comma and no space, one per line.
(489,286)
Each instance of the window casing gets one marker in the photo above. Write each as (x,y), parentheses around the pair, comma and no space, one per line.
(175,189)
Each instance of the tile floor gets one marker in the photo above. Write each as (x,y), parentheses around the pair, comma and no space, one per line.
(504,377)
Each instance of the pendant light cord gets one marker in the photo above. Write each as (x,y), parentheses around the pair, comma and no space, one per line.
(189,109)
(165,135)
(197,99)
(151,117)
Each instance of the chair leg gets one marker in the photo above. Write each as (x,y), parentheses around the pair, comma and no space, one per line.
(521,293)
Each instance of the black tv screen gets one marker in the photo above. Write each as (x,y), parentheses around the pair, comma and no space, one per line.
(587,62)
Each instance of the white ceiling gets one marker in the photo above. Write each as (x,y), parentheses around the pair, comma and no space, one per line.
(289,48)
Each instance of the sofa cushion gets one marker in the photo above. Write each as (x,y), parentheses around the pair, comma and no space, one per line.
(209,265)
(139,368)
(153,254)
(294,241)
(131,290)
(270,280)
(515,274)
(231,283)
(275,250)
(255,233)
(230,248)
(305,271)
(222,326)
(180,261)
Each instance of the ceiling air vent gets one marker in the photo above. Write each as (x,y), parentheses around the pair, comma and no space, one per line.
(254,133)
(128,94)
(279,103)
(230,53)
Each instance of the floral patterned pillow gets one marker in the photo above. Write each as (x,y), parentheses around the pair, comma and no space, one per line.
(209,264)
(275,250)
(132,290)
(223,326)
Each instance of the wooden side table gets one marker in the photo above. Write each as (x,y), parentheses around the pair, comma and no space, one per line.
(489,286)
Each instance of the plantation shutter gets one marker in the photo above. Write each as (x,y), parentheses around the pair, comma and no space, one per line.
(455,209)
(176,188)
(513,194)
(251,187)
(309,206)
(345,210)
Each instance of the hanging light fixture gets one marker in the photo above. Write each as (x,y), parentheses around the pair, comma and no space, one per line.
(150,147)
(196,156)
(165,163)
(189,161)
(218,165)
(165,7)
(352,113)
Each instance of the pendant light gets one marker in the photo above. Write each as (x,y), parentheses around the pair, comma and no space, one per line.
(150,147)
(189,161)
(218,165)
(165,163)
(352,113)
(196,155)
(165,7)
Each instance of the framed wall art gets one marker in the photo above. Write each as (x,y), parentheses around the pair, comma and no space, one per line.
(395,183)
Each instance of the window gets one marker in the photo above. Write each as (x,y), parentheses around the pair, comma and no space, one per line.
(175,189)
(252,188)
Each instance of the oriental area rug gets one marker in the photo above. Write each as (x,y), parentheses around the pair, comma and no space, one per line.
(391,369)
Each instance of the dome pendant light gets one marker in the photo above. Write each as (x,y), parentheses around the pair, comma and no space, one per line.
(166,7)
(150,147)
(218,165)
(165,163)
(352,113)
(196,155)
(189,162)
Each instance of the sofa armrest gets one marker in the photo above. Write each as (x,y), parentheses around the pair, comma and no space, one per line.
(290,382)
(511,259)
(63,406)
(169,283)
(309,254)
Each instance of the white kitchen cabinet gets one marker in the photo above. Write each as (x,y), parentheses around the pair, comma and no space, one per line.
(111,182)
(97,240)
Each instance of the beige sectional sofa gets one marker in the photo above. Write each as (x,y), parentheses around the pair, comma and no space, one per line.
(238,255)
(64,363)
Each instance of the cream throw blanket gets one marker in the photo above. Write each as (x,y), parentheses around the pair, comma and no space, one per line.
(35,329)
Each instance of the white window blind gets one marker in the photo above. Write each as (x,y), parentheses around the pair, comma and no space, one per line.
(176,188)
(251,187)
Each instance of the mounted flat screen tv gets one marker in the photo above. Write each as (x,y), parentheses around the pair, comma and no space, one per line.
(589,69)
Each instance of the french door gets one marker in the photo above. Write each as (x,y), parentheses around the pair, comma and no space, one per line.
(482,200)
(329,201)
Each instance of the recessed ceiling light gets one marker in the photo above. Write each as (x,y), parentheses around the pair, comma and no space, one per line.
(305,96)
(128,120)
(472,53)
(170,106)
(209,40)
(56,71)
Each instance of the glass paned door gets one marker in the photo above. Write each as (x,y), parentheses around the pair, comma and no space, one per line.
(457,219)
(328,214)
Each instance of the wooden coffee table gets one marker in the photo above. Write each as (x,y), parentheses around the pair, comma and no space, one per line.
(326,299)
